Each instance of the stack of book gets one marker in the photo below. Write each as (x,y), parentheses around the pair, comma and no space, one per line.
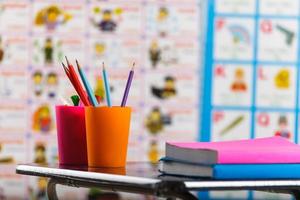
(263,158)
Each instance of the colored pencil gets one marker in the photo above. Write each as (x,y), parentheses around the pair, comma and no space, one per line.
(87,85)
(77,84)
(75,99)
(127,88)
(73,83)
(67,72)
(107,88)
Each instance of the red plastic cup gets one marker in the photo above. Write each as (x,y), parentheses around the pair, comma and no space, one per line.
(71,136)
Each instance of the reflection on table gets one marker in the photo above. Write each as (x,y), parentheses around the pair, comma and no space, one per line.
(14,186)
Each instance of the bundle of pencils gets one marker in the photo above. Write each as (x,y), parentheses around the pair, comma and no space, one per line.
(87,97)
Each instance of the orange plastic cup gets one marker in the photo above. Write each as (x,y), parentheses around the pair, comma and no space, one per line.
(107,131)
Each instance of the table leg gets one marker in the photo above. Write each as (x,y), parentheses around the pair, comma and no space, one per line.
(185,196)
(296,194)
(173,190)
(51,189)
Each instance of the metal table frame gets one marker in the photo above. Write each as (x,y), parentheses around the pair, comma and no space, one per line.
(170,189)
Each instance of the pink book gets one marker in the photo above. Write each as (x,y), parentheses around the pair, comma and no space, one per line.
(253,151)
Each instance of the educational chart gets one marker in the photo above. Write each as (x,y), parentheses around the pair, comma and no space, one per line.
(161,37)
(251,73)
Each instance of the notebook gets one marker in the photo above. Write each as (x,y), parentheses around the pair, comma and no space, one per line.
(171,167)
(230,171)
(262,150)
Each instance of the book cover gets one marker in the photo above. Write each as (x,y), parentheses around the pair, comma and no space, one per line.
(262,150)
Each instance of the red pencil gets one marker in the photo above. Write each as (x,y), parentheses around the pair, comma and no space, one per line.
(67,72)
(76,83)
(73,83)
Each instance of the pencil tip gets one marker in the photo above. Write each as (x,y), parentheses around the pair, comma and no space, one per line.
(67,61)
(77,63)
(65,68)
(103,66)
(133,66)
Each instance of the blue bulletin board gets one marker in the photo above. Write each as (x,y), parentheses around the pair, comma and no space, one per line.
(251,72)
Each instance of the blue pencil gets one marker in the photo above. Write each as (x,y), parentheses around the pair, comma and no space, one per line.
(107,88)
(87,85)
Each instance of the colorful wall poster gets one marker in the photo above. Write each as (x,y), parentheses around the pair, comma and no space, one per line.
(163,38)
(251,78)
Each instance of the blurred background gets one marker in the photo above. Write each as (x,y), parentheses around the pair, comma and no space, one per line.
(207,70)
